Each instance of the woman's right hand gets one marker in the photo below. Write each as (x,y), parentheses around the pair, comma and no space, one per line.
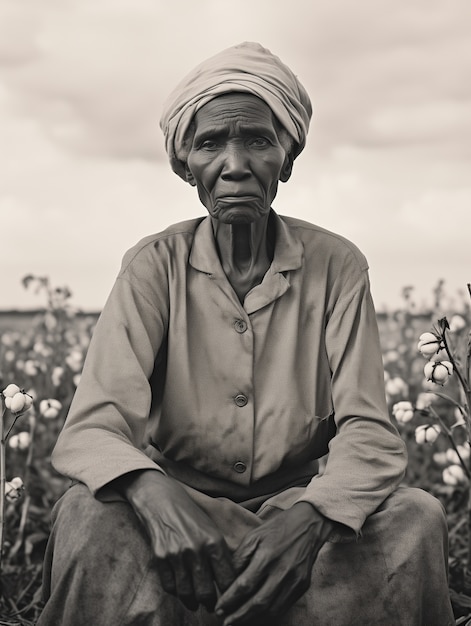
(191,554)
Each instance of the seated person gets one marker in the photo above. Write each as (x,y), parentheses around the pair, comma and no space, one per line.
(239,348)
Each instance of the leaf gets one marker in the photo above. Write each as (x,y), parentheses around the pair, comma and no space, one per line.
(461,599)
(447,397)
(26,280)
(443,323)
(37,537)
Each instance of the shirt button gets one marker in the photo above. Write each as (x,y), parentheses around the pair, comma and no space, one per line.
(240,467)
(240,326)
(241,400)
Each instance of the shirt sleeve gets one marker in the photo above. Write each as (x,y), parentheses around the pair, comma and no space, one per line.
(104,431)
(367,458)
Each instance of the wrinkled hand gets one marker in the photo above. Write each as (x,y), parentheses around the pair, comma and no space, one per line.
(192,557)
(274,564)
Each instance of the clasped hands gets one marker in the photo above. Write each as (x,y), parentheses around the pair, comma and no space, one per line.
(267,573)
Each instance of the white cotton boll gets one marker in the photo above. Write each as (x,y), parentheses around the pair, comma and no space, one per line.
(428,344)
(14,489)
(424,400)
(438,371)
(56,376)
(453,475)
(10,390)
(396,386)
(17,403)
(427,433)
(50,408)
(440,458)
(20,441)
(452,456)
(403,411)
(457,323)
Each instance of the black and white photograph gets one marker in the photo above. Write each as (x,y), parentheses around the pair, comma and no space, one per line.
(235,313)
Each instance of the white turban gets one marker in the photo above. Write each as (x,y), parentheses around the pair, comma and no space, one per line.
(249,68)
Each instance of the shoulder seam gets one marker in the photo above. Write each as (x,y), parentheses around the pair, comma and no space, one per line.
(353,249)
(154,238)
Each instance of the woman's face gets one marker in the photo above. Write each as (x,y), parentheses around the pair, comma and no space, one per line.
(236,158)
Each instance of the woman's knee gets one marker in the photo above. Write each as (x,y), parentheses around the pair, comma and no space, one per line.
(417,504)
(414,518)
(84,526)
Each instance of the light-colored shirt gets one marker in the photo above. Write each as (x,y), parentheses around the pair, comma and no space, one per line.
(231,393)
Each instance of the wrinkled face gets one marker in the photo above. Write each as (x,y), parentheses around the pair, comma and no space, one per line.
(236,158)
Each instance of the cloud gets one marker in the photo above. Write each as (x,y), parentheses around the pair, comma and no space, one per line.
(371,60)
(96,75)
(84,171)
(93,80)
(18,27)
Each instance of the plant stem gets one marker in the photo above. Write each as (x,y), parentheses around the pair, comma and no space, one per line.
(21,529)
(449,434)
(26,504)
(468,424)
(463,382)
(2,479)
(467,572)
(11,427)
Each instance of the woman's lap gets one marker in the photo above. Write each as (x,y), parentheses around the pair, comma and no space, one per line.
(99,569)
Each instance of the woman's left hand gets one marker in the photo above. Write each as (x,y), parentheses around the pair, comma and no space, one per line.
(273,565)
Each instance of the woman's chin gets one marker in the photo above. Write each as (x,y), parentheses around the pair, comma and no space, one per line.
(238,215)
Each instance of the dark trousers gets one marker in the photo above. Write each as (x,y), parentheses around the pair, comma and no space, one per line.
(98,568)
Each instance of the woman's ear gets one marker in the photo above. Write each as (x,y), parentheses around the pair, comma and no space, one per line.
(287,168)
(189,176)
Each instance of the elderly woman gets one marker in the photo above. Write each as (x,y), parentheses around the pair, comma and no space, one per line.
(239,348)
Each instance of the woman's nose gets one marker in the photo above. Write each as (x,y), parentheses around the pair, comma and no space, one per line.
(236,164)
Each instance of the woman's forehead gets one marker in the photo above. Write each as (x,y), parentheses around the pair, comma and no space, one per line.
(231,108)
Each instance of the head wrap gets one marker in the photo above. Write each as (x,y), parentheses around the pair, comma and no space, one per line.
(248,68)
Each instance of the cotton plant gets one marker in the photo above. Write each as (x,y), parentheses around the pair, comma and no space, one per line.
(45,358)
(16,402)
(443,364)
(446,413)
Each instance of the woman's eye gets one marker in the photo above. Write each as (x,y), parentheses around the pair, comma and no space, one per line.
(209,145)
(259,142)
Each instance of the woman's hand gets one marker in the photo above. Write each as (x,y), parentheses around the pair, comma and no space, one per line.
(192,557)
(274,564)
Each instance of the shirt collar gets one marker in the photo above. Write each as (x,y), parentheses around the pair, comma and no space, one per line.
(288,248)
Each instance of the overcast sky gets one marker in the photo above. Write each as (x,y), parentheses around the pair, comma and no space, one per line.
(84,174)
